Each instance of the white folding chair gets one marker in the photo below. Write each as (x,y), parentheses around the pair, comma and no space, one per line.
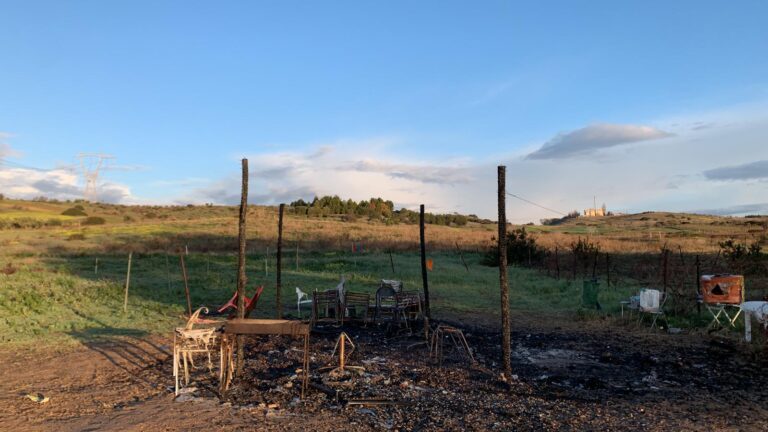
(302,298)
(652,303)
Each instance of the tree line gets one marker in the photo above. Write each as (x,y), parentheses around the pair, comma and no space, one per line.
(373,209)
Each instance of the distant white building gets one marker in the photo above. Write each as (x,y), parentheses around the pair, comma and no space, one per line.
(595,212)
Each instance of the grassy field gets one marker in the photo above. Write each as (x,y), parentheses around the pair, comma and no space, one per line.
(64,298)
(55,294)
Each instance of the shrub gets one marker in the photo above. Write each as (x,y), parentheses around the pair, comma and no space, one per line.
(53,222)
(76,236)
(74,211)
(521,249)
(559,221)
(94,220)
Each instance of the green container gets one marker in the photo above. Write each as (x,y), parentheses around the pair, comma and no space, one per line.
(589,293)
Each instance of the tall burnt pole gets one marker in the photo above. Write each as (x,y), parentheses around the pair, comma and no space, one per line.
(424,279)
(506,330)
(241,278)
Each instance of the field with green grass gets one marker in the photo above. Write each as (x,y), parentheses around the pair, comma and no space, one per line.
(51,289)
(66,298)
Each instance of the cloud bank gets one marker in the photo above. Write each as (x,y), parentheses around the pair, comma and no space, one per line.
(58,183)
(590,139)
(757,170)
(350,169)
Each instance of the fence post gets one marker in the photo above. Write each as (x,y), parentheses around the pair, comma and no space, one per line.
(461,255)
(127,282)
(186,283)
(665,256)
(279,269)
(698,284)
(557,262)
(168,270)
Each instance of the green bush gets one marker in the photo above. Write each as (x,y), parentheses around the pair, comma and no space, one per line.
(94,220)
(53,222)
(74,211)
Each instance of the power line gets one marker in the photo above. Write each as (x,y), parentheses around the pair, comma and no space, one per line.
(537,205)
(12,164)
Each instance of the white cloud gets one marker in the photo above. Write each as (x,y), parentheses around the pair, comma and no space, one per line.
(5,149)
(593,138)
(59,183)
(351,169)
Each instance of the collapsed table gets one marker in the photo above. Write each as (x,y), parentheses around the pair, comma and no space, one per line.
(246,326)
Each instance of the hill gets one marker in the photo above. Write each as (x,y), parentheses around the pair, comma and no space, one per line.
(40,227)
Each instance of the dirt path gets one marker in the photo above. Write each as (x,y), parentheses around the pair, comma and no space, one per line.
(571,375)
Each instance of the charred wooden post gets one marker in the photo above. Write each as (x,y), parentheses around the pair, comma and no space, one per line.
(424,263)
(557,262)
(506,330)
(279,270)
(391,261)
(241,277)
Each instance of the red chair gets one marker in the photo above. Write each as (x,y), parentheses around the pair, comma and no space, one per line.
(250,303)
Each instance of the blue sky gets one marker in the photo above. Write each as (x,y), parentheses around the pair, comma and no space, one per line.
(411,101)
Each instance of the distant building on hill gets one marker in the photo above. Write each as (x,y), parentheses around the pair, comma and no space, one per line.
(594,212)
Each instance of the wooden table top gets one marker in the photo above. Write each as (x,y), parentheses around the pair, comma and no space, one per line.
(266,327)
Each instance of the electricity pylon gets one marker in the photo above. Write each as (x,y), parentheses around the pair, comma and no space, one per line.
(91,163)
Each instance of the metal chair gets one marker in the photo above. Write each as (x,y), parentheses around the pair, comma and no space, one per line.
(357,306)
(386,303)
(326,306)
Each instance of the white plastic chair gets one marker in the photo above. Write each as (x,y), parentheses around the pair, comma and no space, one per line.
(302,298)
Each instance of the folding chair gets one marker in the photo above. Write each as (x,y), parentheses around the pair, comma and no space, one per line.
(719,311)
(719,292)
(302,298)
(652,303)
(232,303)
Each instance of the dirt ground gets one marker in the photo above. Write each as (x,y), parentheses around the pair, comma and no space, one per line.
(570,375)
